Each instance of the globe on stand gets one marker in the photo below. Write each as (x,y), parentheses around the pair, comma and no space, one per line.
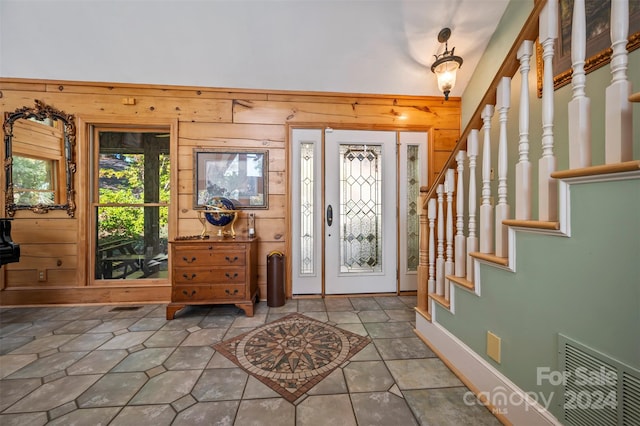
(221,213)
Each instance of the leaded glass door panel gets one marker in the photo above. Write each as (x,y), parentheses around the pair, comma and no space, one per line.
(306,212)
(360,212)
(412,173)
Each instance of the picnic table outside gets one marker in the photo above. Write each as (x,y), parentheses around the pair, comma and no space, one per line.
(118,259)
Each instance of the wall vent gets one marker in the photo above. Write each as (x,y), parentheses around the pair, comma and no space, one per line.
(125,308)
(597,390)
(631,400)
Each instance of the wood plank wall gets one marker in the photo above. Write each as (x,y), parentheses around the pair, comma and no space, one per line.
(198,117)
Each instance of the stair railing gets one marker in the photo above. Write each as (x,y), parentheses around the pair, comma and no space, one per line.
(447,253)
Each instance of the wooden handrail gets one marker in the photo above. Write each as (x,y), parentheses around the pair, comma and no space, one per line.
(509,67)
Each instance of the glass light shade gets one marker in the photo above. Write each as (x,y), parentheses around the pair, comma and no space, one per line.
(446,75)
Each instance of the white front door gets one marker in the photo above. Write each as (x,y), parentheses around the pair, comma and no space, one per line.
(360,212)
(354,173)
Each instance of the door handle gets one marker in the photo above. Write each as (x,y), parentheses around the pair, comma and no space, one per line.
(329,215)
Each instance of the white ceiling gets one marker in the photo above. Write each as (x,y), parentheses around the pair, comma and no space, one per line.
(472,24)
(356,46)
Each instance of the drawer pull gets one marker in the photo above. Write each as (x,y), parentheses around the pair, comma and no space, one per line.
(235,258)
(235,291)
(193,259)
(187,293)
(187,277)
(231,277)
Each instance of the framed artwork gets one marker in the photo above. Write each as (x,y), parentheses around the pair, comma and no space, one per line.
(598,49)
(241,176)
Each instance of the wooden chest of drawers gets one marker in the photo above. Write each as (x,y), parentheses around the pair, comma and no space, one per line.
(205,272)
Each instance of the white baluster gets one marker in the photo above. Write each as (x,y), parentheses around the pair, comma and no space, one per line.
(486,209)
(618,127)
(440,254)
(460,241)
(503,96)
(472,239)
(449,185)
(523,168)
(431,214)
(580,105)
(547,186)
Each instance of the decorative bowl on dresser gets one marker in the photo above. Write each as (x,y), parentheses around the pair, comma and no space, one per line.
(213,271)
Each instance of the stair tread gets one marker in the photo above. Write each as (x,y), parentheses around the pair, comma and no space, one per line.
(490,257)
(441,300)
(461,281)
(635,97)
(627,166)
(536,224)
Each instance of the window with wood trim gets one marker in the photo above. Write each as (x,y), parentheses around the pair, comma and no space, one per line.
(131,194)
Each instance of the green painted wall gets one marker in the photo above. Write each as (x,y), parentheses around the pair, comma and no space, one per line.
(510,25)
(586,286)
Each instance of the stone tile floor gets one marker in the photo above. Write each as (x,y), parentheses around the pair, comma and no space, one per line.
(103,365)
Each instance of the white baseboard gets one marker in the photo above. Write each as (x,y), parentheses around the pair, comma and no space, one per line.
(503,398)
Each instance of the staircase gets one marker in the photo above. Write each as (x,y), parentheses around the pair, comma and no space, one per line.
(500,284)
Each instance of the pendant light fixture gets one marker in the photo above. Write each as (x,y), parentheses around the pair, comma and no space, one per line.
(446,65)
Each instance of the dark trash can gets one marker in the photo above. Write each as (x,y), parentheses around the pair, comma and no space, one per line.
(275,279)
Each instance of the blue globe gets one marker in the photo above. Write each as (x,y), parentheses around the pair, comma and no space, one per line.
(220,218)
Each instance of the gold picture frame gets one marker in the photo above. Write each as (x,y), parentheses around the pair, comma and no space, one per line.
(598,49)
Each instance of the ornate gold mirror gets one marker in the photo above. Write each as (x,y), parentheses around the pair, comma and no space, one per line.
(39,145)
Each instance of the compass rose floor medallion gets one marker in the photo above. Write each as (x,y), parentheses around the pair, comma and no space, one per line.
(292,354)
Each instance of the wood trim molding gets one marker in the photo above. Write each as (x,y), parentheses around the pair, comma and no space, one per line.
(94,295)
(130,90)
(628,166)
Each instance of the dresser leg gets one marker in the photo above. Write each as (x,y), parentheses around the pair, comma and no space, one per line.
(247,308)
(172,309)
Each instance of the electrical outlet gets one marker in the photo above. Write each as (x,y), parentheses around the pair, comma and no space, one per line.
(493,346)
(42,275)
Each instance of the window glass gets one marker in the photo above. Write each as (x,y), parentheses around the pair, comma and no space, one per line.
(131,208)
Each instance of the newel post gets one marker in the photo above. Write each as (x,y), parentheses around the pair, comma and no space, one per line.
(423,253)
(431,215)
